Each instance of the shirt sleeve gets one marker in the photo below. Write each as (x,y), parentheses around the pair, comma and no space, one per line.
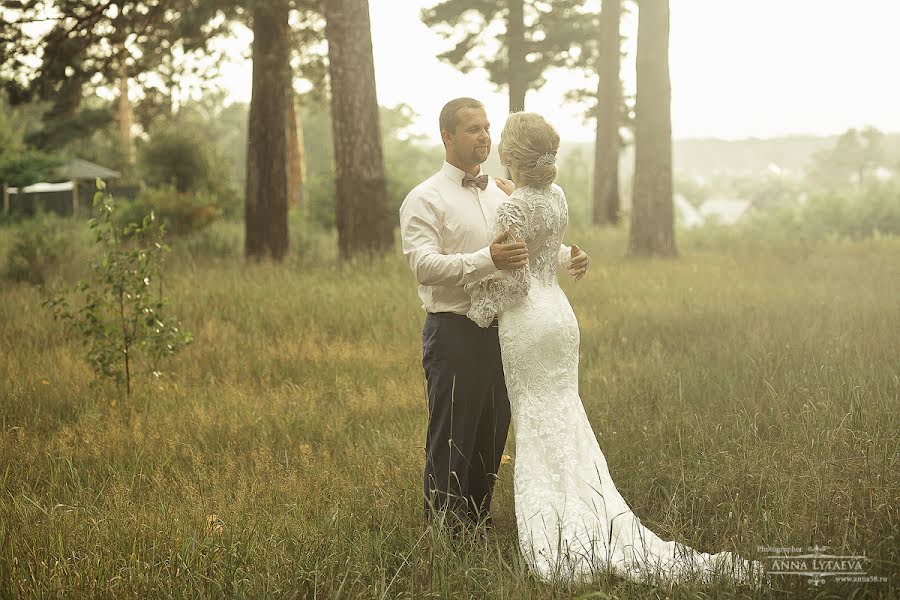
(420,230)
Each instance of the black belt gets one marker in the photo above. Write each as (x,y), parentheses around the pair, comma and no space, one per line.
(453,315)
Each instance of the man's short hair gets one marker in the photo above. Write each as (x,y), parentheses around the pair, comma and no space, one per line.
(448,120)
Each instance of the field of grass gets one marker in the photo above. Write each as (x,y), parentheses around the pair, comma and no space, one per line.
(745,396)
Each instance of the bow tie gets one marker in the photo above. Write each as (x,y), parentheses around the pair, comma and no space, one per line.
(481,181)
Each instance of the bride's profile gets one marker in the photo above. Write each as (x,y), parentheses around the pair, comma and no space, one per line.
(572,521)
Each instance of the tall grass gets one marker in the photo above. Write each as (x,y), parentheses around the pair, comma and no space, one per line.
(743,396)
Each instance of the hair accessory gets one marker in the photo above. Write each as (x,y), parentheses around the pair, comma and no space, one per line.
(547,159)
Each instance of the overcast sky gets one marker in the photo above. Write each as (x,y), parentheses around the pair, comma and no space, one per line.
(740,68)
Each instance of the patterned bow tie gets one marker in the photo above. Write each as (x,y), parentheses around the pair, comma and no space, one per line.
(481,181)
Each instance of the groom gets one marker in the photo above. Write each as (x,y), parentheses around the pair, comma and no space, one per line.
(445,224)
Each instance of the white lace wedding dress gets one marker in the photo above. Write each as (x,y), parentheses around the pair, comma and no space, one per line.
(572,522)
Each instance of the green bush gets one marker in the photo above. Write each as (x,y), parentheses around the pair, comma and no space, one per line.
(37,248)
(183,213)
(222,240)
(120,312)
(180,155)
(853,215)
(874,211)
(321,200)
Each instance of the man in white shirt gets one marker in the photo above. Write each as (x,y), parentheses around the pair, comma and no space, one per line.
(444,225)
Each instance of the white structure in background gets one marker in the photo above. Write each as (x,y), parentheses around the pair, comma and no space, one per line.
(37,188)
(725,211)
(685,214)
(883,174)
(72,171)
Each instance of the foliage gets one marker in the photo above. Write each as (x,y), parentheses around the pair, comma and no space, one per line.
(856,215)
(585,57)
(223,129)
(86,49)
(178,158)
(11,131)
(27,167)
(188,152)
(20,165)
(122,319)
(69,130)
(182,213)
(812,220)
(218,242)
(551,32)
(101,144)
(852,159)
(692,188)
(408,159)
(38,246)
(576,173)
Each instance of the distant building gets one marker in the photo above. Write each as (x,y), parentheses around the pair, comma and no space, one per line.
(60,197)
(883,174)
(725,211)
(686,215)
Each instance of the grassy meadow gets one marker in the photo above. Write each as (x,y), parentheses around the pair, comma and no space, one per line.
(746,394)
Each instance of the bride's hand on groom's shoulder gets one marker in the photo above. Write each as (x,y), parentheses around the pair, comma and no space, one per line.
(505,184)
(578,266)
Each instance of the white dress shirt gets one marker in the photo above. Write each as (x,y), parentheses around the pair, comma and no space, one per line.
(445,229)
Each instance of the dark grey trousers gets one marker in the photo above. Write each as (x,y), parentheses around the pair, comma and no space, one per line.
(468,415)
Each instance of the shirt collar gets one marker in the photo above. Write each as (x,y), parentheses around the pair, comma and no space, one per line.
(455,173)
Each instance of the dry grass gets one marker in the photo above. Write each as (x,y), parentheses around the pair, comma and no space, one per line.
(744,397)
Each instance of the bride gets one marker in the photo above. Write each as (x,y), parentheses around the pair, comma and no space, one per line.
(572,521)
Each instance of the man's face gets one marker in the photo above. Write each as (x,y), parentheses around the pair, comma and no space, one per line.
(471,142)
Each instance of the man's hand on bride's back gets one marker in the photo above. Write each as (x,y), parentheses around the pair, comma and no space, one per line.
(508,255)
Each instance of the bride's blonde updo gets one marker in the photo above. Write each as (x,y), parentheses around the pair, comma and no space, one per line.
(530,144)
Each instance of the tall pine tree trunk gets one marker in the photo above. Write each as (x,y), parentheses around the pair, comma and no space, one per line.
(364,219)
(266,203)
(125,115)
(606,149)
(652,215)
(515,43)
(296,162)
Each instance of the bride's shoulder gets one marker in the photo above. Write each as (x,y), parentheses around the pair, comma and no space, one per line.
(540,195)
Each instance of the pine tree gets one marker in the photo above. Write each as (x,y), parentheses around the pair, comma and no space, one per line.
(364,220)
(609,101)
(537,36)
(652,214)
(266,201)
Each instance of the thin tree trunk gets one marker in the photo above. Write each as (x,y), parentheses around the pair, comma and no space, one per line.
(125,115)
(296,163)
(652,215)
(516,49)
(266,203)
(364,219)
(74,197)
(606,149)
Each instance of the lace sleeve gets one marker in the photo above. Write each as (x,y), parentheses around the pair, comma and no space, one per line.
(495,292)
